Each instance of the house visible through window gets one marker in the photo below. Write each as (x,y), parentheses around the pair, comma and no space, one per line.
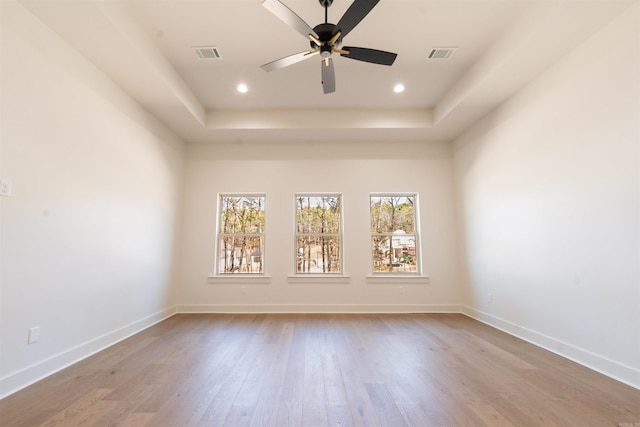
(318,233)
(394,233)
(241,234)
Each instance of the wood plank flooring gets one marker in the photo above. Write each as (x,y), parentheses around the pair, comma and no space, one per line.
(324,370)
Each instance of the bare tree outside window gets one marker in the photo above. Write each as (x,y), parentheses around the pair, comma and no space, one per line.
(241,234)
(318,234)
(394,233)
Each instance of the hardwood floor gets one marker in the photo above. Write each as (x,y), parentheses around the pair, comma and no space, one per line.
(321,370)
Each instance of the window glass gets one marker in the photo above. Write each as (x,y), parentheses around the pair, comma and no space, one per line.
(241,227)
(394,234)
(318,233)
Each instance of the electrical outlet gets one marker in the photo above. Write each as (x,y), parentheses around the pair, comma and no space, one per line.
(243,289)
(490,298)
(401,288)
(5,188)
(34,335)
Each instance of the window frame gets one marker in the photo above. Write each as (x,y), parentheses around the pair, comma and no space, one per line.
(219,235)
(339,235)
(416,233)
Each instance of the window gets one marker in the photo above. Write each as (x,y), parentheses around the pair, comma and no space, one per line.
(318,234)
(241,234)
(394,233)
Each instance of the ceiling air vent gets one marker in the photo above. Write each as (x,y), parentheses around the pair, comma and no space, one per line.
(441,52)
(207,52)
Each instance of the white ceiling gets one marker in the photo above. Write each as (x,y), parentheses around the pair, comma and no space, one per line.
(146,47)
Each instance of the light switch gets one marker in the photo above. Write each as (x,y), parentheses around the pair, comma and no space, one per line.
(5,188)
(34,335)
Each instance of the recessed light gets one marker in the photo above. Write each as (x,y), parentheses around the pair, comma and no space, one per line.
(398,88)
(242,88)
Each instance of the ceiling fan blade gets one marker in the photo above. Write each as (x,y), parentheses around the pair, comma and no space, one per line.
(289,17)
(356,13)
(369,55)
(328,76)
(289,60)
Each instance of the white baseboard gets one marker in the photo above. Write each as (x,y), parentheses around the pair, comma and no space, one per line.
(36,372)
(620,372)
(318,308)
(31,374)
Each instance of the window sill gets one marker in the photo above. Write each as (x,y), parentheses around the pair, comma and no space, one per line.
(318,278)
(240,278)
(397,278)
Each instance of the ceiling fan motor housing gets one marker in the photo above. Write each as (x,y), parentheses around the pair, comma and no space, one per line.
(325,3)
(325,32)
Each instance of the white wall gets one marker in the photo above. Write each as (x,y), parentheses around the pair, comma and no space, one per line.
(548,190)
(89,230)
(355,170)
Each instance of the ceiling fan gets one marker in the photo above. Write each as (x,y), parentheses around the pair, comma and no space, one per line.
(326,38)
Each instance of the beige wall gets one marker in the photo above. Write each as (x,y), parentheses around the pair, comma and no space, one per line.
(546,190)
(548,194)
(89,230)
(355,170)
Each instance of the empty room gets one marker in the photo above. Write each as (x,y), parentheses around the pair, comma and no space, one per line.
(320,213)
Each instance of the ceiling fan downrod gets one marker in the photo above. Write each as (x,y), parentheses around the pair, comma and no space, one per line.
(326,4)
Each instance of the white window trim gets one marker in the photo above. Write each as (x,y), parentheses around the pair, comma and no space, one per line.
(393,275)
(236,278)
(219,277)
(395,278)
(317,277)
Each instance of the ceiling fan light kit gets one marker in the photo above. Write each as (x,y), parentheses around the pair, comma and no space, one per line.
(326,39)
